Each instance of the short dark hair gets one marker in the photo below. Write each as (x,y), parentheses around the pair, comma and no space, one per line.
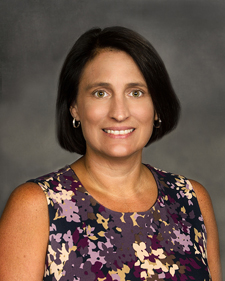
(165,101)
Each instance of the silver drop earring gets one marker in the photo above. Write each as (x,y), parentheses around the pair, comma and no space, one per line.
(76,125)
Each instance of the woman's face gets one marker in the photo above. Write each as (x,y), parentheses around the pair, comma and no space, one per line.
(114,105)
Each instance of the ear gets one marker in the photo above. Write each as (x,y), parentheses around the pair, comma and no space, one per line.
(156,116)
(74,112)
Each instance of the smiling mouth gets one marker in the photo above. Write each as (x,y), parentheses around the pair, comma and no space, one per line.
(117,132)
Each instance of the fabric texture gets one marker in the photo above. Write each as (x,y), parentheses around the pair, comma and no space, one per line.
(90,242)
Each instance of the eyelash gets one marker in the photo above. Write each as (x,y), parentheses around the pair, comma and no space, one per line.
(135,91)
(96,94)
(130,94)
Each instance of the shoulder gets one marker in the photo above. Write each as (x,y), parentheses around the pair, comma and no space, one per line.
(180,187)
(205,204)
(213,251)
(27,204)
(24,230)
(174,184)
(28,196)
(203,198)
(63,175)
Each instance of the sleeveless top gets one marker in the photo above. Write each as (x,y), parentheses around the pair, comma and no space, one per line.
(89,242)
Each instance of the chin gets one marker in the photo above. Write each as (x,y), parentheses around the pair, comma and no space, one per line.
(122,152)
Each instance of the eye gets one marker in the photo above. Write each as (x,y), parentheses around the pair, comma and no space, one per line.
(100,94)
(136,93)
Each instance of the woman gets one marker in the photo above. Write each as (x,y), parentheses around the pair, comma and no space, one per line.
(108,216)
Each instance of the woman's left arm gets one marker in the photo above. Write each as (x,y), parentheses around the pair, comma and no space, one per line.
(213,251)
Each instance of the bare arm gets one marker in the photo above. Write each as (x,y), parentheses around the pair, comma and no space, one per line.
(213,252)
(24,228)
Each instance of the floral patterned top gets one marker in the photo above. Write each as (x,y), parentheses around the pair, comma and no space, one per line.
(90,242)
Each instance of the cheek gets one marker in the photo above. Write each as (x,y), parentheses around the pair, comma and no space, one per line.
(145,114)
(92,114)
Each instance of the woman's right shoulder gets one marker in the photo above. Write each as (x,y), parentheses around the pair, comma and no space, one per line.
(27,203)
(24,230)
(29,196)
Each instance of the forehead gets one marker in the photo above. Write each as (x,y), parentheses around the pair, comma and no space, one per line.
(111,65)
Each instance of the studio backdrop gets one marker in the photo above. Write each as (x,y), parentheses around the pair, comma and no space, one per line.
(189,35)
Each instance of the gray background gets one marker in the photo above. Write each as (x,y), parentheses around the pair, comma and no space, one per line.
(189,35)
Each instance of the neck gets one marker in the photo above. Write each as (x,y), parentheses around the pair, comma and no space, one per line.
(115,176)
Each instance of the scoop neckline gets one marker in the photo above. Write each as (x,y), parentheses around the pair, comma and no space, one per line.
(151,169)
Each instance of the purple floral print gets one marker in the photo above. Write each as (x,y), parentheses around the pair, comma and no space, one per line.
(90,242)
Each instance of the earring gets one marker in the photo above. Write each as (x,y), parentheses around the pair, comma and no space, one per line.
(74,123)
(157,123)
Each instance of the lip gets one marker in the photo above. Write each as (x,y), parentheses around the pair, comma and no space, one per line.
(122,128)
(118,132)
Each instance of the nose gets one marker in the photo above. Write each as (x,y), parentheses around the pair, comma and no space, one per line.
(119,108)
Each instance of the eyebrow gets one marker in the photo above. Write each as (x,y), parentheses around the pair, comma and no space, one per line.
(107,85)
(98,84)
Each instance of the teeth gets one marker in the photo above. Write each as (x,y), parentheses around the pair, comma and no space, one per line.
(122,132)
